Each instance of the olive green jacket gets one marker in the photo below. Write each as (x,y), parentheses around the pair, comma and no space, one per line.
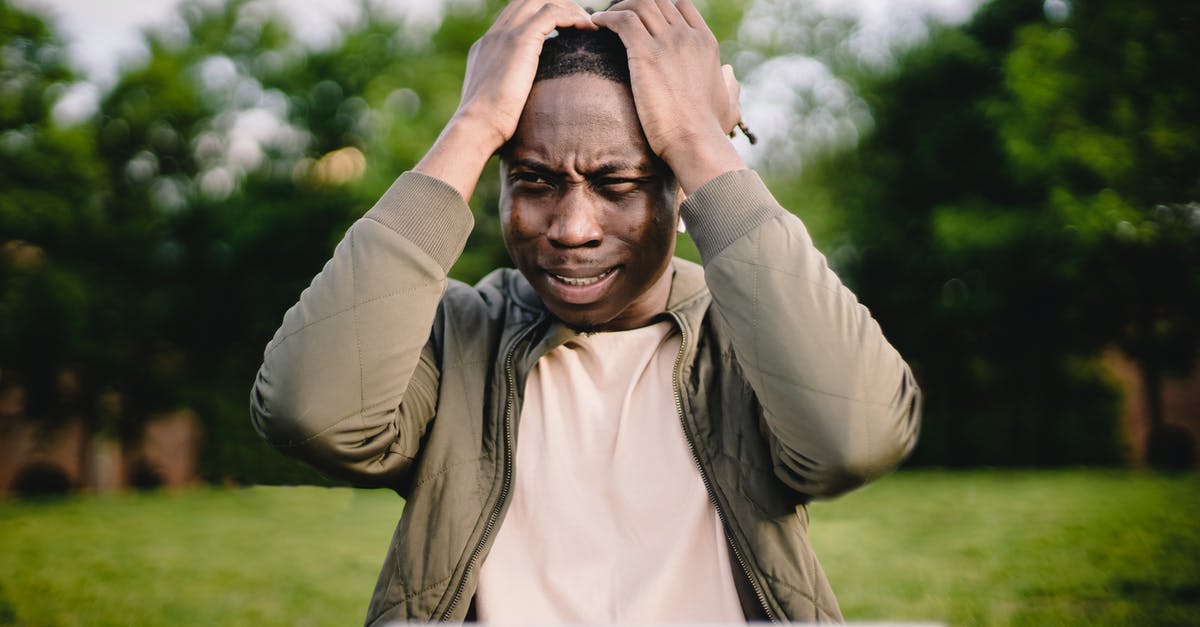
(386,373)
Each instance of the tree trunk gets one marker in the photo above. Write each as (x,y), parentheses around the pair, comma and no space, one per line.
(1152,393)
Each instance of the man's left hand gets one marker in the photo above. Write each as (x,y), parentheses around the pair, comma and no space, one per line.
(685,100)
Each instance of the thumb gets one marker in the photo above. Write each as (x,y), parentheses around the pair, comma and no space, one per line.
(733,91)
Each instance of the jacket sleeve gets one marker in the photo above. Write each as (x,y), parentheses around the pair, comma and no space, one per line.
(840,405)
(349,382)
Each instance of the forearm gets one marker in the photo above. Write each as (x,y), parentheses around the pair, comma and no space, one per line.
(836,395)
(701,158)
(460,154)
(500,70)
(336,385)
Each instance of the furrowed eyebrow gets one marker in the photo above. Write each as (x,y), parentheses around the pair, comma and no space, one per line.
(605,169)
(533,166)
(611,168)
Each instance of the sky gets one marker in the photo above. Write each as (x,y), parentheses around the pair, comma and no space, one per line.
(104,35)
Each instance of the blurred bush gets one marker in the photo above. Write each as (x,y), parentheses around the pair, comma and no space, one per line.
(150,252)
(1030,195)
(1025,196)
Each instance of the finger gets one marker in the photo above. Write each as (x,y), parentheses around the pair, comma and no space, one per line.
(690,15)
(731,82)
(522,11)
(628,26)
(647,11)
(518,11)
(554,15)
(734,91)
(669,12)
(507,12)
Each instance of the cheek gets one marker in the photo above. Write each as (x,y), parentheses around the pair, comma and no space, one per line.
(663,209)
(660,224)
(519,226)
(652,239)
(517,222)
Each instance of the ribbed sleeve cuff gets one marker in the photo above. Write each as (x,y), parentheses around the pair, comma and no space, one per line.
(727,208)
(428,212)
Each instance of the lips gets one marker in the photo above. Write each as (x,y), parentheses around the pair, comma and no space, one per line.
(582,280)
(580,287)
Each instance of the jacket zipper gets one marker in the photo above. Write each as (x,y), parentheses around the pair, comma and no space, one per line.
(506,487)
(712,495)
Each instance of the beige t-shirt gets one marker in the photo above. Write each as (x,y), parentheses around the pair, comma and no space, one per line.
(609,520)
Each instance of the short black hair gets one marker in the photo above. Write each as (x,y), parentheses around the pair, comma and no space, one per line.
(575,51)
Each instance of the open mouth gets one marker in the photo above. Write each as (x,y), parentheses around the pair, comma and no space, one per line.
(581,290)
(582,281)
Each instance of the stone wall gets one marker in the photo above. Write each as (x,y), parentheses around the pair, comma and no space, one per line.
(1181,404)
(36,458)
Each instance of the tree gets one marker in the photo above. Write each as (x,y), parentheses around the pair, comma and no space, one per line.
(244,217)
(1103,108)
(952,258)
(151,252)
(49,184)
(1033,201)
(240,156)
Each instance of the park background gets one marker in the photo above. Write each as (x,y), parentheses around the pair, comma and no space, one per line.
(1012,187)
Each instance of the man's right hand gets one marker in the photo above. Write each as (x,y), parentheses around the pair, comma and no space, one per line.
(500,71)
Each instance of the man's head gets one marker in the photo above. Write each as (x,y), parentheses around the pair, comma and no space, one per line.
(588,211)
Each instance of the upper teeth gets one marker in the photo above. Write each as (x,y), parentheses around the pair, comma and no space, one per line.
(582,280)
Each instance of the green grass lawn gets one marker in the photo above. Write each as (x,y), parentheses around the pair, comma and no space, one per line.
(1005,548)
(977,548)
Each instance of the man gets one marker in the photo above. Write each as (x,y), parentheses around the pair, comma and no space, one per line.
(672,420)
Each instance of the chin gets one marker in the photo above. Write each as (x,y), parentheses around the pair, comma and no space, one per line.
(587,318)
(583,323)
(586,329)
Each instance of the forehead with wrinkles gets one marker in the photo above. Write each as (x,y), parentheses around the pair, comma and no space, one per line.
(580,125)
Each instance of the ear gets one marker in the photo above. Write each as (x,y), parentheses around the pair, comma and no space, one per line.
(679,198)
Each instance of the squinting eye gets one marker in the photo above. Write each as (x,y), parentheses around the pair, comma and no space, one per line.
(531,178)
(618,186)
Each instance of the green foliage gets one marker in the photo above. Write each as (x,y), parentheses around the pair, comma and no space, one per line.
(979,548)
(48,180)
(150,253)
(1026,197)
(1104,112)
(1020,185)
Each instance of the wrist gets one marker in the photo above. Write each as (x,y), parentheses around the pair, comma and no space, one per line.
(700,158)
(480,130)
(460,153)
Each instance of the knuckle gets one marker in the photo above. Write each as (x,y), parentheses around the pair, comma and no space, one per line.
(619,19)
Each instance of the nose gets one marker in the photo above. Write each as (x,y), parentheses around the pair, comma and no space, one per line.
(575,222)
